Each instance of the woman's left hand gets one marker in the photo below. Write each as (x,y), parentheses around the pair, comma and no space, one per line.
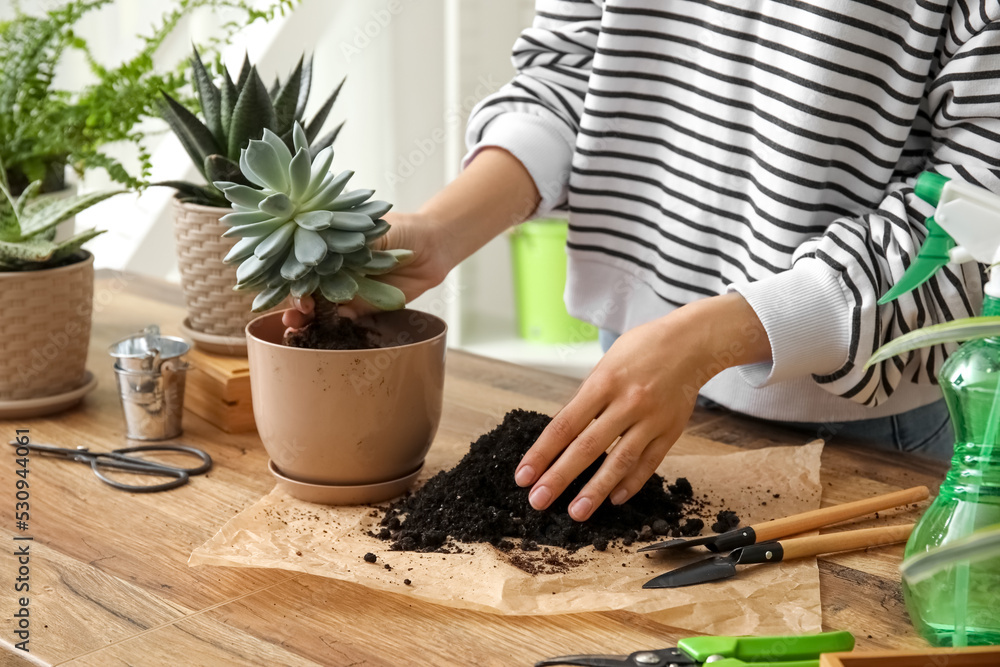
(642,391)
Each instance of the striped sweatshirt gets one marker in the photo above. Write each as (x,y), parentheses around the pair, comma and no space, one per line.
(768,147)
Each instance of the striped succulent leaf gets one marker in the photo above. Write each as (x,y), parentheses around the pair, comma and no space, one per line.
(301,232)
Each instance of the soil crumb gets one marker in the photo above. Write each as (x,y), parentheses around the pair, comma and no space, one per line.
(725,521)
(478,501)
(370,557)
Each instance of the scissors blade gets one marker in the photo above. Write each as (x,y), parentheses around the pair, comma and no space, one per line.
(712,568)
(585,660)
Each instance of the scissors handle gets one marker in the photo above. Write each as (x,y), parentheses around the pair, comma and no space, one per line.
(206,460)
(179,477)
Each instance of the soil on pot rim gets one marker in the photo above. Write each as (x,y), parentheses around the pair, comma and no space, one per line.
(333,333)
(478,501)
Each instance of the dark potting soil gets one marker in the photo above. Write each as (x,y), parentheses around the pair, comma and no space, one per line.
(478,501)
(726,521)
(333,333)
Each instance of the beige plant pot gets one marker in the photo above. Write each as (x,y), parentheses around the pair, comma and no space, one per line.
(45,329)
(213,306)
(357,423)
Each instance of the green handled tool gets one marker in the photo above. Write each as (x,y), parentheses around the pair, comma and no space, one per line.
(802,651)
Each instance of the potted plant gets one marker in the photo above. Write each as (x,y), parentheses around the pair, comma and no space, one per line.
(340,425)
(46,288)
(234,113)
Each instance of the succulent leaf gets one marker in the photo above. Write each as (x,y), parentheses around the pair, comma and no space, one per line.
(343,242)
(380,262)
(288,100)
(316,124)
(374,209)
(349,221)
(248,172)
(380,295)
(351,199)
(227,102)
(326,140)
(278,205)
(358,258)
(314,220)
(242,249)
(265,163)
(277,242)
(270,297)
(210,98)
(293,269)
(243,195)
(299,172)
(319,173)
(220,168)
(196,139)
(378,231)
(306,285)
(338,288)
(304,87)
(253,112)
(284,155)
(40,215)
(325,197)
(299,139)
(310,248)
(258,229)
(330,265)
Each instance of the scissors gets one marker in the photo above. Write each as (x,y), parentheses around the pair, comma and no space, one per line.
(117,460)
(801,651)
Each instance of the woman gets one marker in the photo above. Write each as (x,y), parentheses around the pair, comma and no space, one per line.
(739,183)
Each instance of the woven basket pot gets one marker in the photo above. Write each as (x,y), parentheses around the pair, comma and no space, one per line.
(212,305)
(45,329)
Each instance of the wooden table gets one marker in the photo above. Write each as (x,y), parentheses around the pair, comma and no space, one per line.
(110,582)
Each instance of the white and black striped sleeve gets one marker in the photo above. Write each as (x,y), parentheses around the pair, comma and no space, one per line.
(536,116)
(839,276)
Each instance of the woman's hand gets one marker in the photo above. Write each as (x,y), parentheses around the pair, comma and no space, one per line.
(430,264)
(642,391)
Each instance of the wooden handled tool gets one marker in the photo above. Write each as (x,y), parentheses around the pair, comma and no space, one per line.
(797,523)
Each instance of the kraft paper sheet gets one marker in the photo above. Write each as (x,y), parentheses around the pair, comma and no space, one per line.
(281,532)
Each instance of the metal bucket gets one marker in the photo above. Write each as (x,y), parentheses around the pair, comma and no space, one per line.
(147,350)
(151,378)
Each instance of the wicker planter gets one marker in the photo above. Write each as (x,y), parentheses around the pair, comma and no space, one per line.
(212,305)
(45,329)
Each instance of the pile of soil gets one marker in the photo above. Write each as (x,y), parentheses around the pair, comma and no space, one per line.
(330,331)
(478,501)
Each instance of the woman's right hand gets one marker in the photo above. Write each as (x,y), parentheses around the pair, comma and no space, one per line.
(428,267)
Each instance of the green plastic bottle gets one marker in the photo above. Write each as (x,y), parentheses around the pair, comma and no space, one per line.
(959,605)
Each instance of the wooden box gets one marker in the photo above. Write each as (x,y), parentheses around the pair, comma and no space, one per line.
(218,390)
(980,656)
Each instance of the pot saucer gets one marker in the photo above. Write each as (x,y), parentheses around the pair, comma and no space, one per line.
(26,408)
(230,346)
(335,494)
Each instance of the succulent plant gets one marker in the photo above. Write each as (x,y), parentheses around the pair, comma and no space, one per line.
(28,226)
(234,114)
(301,233)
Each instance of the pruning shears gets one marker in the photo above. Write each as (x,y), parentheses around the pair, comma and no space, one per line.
(801,651)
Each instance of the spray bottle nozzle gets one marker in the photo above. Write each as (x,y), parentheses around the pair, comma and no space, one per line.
(932,256)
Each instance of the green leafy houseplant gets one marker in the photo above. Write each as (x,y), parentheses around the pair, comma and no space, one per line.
(235,113)
(300,233)
(45,127)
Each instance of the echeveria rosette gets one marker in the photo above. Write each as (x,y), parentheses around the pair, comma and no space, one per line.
(302,233)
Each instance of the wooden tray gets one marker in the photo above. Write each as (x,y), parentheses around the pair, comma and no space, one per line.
(980,656)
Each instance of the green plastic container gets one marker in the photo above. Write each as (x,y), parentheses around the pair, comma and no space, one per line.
(959,605)
(538,249)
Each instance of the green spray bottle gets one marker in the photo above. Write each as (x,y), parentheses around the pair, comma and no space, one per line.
(960,604)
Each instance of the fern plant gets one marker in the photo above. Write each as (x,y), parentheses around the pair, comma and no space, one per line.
(234,114)
(44,127)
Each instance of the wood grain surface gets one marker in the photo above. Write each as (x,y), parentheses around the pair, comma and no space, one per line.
(110,584)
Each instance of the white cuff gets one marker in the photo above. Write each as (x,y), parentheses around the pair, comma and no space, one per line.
(540,147)
(807,320)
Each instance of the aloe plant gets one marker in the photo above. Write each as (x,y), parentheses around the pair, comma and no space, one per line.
(235,113)
(28,226)
(300,233)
